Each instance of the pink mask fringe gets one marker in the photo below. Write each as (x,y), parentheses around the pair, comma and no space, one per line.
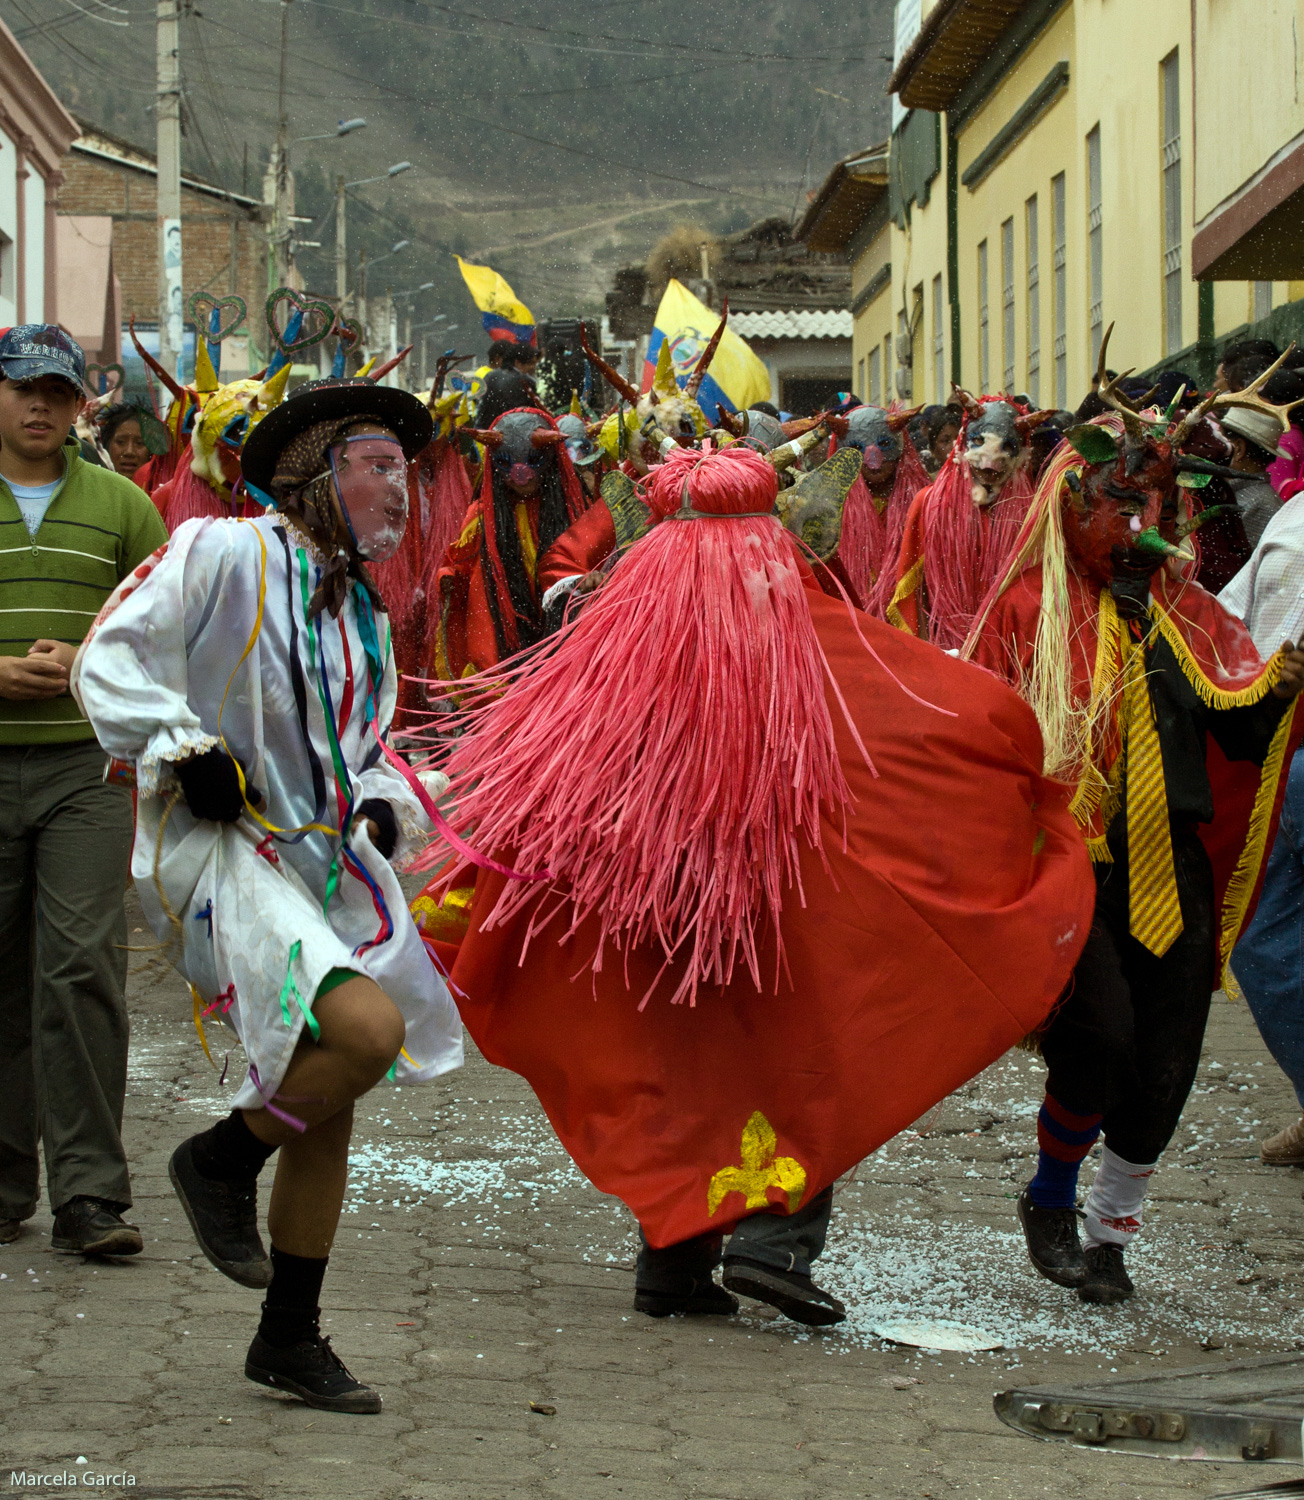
(911,477)
(966,549)
(192,497)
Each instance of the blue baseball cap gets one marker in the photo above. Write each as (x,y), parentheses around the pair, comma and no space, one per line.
(30,350)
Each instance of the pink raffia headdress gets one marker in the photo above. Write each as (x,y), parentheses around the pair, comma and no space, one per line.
(664,756)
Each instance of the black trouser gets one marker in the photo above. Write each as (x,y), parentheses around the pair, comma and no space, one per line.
(784,1242)
(65,844)
(1125,1042)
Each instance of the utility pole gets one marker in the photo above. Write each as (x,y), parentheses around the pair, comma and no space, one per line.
(341,258)
(168,204)
(392,377)
(362,300)
(281,258)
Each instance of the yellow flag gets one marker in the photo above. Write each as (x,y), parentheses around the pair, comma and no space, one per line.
(736,376)
(504,315)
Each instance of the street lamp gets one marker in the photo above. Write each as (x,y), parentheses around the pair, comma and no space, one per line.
(341,187)
(345,127)
(281,229)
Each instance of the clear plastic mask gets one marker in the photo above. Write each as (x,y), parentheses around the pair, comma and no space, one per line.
(370,475)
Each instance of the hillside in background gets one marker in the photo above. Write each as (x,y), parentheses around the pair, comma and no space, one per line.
(554,141)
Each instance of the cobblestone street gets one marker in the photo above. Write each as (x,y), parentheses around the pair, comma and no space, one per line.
(476,1273)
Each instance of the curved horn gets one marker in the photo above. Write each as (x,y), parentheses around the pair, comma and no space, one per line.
(178,392)
(379,373)
(488,437)
(546,437)
(1026,426)
(971,405)
(896,420)
(612,376)
(734,423)
(708,354)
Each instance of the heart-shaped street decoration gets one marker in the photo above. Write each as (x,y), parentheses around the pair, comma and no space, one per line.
(98,382)
(316,319)
(231,312)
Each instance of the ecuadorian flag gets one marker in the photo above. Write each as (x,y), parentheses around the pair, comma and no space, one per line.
(502,315)
(736,377)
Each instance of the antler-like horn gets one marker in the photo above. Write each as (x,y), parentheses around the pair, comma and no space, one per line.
(379,373)
(178,392)
(546,437)
(612,376)
(1109,393)
(488,437)
(1189,463)
(1248,398)
(896,420)
(443,365)
(708,354)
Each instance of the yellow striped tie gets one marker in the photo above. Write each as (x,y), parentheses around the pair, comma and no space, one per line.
(1154,911)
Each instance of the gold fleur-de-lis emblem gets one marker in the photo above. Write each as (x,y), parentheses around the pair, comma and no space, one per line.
(760,1170)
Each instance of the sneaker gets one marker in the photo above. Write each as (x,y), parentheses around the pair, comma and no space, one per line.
(705,1298)
(1054,1248)
(224,1217)
(313,1371)
(89,1226)
(1286,1148)
(1107,1278)
(796,1296)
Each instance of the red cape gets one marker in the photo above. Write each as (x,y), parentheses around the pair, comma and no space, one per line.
(941,935)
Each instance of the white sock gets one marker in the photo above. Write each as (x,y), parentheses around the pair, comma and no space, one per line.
(1114,1203)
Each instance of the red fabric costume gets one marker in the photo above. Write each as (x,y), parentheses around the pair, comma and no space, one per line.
(1220,661)
(471,587)
(895,981)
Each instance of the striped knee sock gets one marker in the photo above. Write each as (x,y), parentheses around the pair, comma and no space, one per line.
(1064,1139)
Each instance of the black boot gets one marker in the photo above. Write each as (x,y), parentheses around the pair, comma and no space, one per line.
(224,1217)
(89,1226)
(313,1371)
(796,1296)
(1053,1244)
(701,1298)
(1107,1279)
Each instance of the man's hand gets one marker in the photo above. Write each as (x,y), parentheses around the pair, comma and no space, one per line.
(1289,684)
(58,651)
(28,678)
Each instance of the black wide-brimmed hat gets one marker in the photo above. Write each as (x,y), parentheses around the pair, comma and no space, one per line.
(329,400)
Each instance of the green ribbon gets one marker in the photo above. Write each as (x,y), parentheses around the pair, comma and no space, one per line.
(290,988)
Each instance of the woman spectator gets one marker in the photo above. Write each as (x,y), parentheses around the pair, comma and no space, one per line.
(120,436)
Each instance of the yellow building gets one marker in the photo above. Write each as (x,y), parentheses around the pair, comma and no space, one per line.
(1050,166)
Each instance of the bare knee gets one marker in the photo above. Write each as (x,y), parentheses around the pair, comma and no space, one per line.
(359,1021)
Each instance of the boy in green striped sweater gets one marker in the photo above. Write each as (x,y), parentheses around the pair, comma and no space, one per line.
(69,533)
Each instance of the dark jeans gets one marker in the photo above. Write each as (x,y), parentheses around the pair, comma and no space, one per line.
(1269,959)
(785,1242)
(65,843)
(1125,1042)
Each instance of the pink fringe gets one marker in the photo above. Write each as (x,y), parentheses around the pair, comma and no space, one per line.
(444,491)
(191,497)
(965,548)
(662,755)
(911,477)
(864,538)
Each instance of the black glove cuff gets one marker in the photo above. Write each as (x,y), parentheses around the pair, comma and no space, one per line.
(211,786)
(382,815)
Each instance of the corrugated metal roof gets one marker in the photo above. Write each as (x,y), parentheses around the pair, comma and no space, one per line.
(833,324)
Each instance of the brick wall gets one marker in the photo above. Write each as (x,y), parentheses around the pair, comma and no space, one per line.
(223,245)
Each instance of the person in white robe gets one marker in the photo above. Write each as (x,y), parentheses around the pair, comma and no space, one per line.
(246,670)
